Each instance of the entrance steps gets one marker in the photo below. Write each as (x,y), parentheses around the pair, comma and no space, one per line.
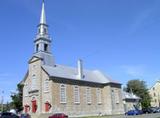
(34,115)
(45,115)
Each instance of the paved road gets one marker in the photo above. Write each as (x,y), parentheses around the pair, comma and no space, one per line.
(155,115)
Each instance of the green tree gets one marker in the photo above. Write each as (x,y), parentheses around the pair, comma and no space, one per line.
(139,88)
(17,98)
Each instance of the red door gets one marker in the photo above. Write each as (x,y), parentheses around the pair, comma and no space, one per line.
(47,106)
(34,106)
(26,108)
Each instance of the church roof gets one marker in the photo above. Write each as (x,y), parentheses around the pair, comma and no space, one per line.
(71,73)
(127,95)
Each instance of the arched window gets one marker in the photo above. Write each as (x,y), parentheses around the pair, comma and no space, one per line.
(39,30)
(46,47)
(62,93)
(88,95)
(117,96)
(37,47)
(46,85)
(45,31)
(33,82)
(26,90)
(155,100)
(76,94)
(153,88)
(113,99)
(99,96)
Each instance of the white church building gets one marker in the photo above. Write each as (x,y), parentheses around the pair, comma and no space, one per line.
(75,91)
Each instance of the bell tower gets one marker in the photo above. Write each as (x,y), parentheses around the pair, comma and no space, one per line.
(42,42)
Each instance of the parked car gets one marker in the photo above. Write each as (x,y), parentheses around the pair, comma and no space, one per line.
(158,110)
(8,115)
(147,110)
(25,115)
(154,109)
(150,110)
(58,115)
(134,112)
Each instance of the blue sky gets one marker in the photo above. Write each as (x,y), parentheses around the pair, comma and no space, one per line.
(119,37)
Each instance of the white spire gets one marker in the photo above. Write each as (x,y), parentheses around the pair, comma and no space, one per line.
(43,16)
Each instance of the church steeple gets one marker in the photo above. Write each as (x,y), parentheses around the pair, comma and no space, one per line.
(42,42)
(43,16)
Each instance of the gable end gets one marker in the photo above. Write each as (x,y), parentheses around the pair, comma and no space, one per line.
(34,59)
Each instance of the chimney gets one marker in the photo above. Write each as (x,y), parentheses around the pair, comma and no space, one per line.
(80,69)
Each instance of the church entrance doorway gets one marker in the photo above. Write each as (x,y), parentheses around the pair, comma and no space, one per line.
(34,106)
(47,106)
(26,108)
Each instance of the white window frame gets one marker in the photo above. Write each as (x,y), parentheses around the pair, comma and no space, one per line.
(63,97)
(34,82)
(117,97)
(26,90)
(34,67)
(76,95)
(99,96)
(88,95)
(46,85)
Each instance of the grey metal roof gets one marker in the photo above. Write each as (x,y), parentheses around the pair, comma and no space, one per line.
(72,73)
(127,95)
(47,58)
